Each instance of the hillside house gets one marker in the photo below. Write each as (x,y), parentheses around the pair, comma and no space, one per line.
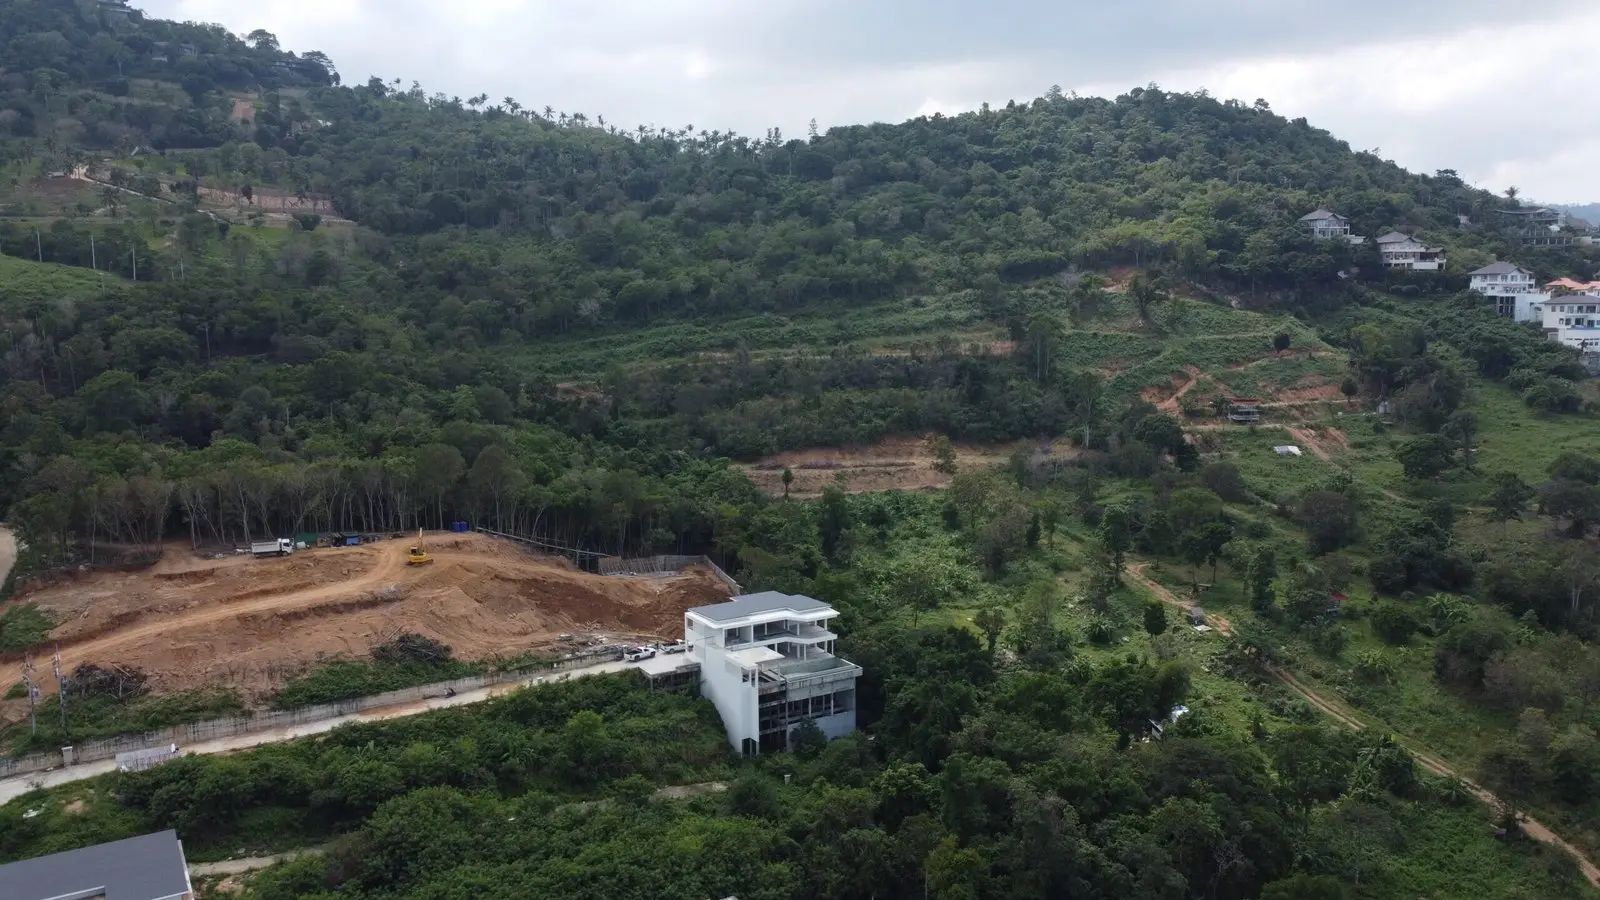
(1402,251)
(1570,286)
(1326,225)
(151,867)
(1246,410)
(1574,321)
(1512,289)
(767,664)
(1538,226)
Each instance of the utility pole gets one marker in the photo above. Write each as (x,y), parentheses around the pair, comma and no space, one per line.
(94,263)
(134,253)
(38,244)
(33,692)
(61,685)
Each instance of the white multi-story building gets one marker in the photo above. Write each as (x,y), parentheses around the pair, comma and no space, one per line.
(1326,225)
(767,664)
(1512,289)
(1574,320)
(1402,251)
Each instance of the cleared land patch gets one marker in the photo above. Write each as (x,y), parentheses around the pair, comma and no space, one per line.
(252,624)
(896,464)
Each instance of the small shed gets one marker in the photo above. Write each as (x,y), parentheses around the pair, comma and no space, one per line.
(1244,410)
(1287,450)
(1197,616)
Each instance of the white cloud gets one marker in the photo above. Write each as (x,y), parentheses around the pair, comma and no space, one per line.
(1484,87)
(1498,104)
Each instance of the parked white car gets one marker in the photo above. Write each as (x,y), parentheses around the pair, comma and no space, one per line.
(634,654)
(673,647)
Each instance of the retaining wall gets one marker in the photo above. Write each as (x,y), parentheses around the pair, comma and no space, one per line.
(182,735)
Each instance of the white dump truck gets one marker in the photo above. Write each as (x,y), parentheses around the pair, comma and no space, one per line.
(276,547)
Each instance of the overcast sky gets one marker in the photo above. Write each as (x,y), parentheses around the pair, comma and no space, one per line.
(1501,91)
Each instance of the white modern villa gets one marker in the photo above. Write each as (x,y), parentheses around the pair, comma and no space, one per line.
(1574,320)
(1515,293)
(767,664)
(1402,251)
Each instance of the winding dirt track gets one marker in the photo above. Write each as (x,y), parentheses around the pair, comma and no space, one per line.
(1173,404)
(390,566)
(1341,714)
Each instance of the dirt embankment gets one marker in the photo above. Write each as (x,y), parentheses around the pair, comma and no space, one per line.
(251,624)
(895,464)
(8,553)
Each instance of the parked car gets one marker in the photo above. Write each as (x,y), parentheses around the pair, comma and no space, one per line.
(635,654)
(673,647)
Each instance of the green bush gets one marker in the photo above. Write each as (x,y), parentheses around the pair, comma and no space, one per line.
(347,679)
(22,626)
(1394,622)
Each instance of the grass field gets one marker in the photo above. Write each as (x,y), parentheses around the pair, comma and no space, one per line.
(33,282)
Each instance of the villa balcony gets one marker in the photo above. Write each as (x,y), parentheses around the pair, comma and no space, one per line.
(790,632)
(816,667)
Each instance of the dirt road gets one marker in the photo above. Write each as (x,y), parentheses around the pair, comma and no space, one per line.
(1346,717)
(390,564)
(1173,404)
(1136,572)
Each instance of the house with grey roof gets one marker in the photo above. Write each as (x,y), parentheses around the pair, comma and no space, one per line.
(150,867)
(1326,225)
(1513,290)
(1402,251)
(767,664)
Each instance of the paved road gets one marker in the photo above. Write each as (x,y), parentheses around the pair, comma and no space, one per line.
(12,788)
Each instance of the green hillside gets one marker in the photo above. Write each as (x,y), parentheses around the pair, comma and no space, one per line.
(358,308)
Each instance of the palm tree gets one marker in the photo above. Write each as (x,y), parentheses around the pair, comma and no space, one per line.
(1511,194)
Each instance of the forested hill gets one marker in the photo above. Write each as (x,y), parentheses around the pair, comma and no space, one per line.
(532,280)
(78,76)
(578,220)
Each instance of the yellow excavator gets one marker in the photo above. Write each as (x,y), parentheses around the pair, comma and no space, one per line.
(418,555)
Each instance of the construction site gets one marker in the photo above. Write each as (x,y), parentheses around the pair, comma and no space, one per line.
(251,624)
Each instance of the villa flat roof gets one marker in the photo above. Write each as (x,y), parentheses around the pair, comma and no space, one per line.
(150,867)
(756,604)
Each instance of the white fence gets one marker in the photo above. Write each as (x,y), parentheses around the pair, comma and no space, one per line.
(197,732)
